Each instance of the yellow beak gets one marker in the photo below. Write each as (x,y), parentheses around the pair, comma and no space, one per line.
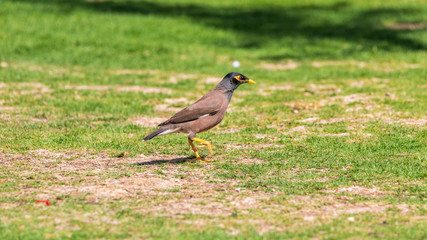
(250,81)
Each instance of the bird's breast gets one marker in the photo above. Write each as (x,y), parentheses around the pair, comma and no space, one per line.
(208,122)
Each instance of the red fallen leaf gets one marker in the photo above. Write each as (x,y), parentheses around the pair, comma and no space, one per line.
(45,201)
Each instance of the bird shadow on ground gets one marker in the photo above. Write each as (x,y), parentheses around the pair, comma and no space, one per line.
(163,161)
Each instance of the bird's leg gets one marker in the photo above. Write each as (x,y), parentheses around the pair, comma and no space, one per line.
(208,144)
(190,141)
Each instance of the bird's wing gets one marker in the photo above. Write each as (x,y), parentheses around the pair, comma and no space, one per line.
(207,105)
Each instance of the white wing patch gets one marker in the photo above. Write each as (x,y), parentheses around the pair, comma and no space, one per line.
(169,131)
(204,116)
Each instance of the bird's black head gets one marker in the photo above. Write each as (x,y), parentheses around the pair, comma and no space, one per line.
(232,80)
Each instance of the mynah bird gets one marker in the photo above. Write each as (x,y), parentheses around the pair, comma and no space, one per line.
(204,114)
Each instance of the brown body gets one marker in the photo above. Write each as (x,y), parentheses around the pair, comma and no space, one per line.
(215,102)
(204,114)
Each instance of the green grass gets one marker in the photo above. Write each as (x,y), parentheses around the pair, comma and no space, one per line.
(330,143)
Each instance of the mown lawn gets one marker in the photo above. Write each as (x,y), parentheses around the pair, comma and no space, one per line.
(330,143)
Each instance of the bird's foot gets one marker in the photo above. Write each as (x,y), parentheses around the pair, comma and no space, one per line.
(195,159)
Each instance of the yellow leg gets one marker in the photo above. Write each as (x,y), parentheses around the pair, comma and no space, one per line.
(195,151)
(208,144)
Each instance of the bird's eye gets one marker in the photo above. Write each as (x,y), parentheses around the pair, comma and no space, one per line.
(235,81)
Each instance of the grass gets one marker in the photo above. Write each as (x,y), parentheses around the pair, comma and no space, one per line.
(330,142)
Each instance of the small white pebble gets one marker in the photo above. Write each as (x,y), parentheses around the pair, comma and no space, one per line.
(236,64)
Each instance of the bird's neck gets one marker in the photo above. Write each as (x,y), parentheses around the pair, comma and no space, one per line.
(229,94)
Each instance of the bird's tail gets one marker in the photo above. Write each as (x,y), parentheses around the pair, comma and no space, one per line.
(161,131)
(153,134)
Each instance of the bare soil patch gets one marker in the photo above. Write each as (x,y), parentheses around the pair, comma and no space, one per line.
(343,101)
(329,206)
(147,121)
(228,130)
(405,26)
(250,161)
(178,190)
(25,88)
(166,108)
(265,91)
(177,100)
(175,78)
(133,72)
(381,66)
(323,89)
(344,134)
(168,105)
(352,98)
(362,191)
(279,66)
(321,121)
(184,191)
(212,80)
(258,146)
(121,88)
(337,63)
